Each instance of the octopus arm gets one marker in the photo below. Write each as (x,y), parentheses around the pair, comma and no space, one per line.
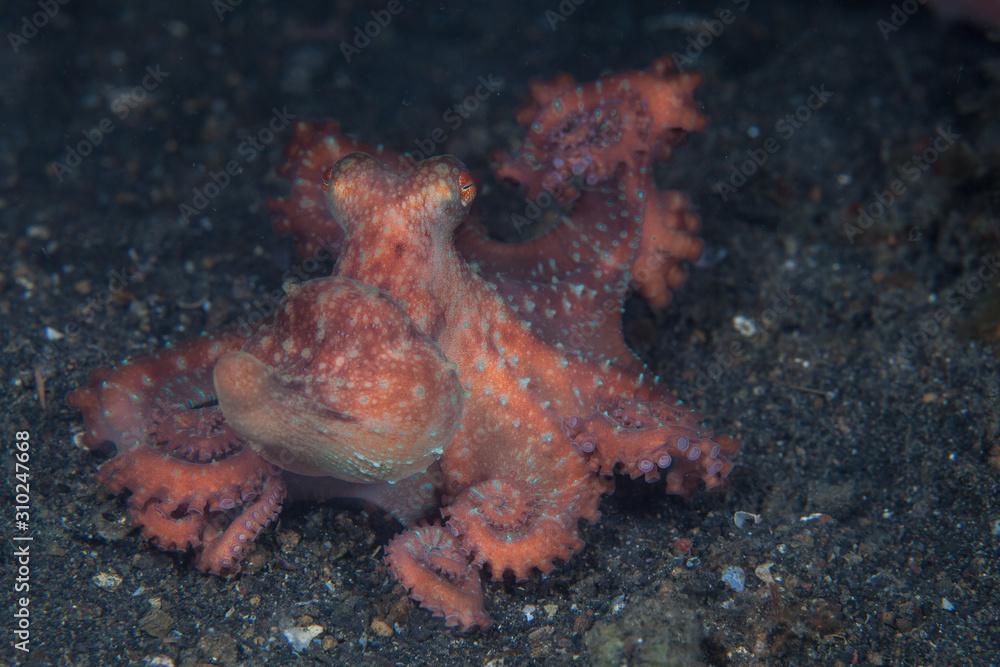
(590,147)
(667,241)
(605,242)
(177,502)
(128,404)
(652,440)
(430,563)
(152,475)
(581,135)
(573,301)
(162,528)
(515,526)
(183,466)
(224,551)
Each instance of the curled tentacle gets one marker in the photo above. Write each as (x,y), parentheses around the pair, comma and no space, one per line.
(168,532)
(582,135)
(429,563)
(120,405)
(174,483)
(510,525)
(605,133)
(643,440)
(177,500)
(222,554)
(185,468)
(198,436)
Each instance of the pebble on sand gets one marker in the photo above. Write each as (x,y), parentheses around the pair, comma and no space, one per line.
(300,637)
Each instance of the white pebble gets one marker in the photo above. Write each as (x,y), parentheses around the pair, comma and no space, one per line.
(159,661)
(299,638)
(107,580)
(746,326)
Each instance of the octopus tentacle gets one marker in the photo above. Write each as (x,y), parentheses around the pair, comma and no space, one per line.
(643,440)
(603,134)
(183,465)
(431,565)
(176,484)
(511,526)
(198,436)
(119,405)
(161,528)
(669,239)
(222,554)
(581,135)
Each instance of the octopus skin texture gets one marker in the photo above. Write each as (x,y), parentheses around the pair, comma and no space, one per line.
(437,372)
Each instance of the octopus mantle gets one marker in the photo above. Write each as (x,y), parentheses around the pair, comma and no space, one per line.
(436,367)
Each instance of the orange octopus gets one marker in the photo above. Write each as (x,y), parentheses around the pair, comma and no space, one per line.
(436,368)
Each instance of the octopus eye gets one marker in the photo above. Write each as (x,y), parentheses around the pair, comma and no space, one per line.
(467,188)
(327,178)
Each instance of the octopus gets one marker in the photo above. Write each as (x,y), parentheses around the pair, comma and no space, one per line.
(481,391)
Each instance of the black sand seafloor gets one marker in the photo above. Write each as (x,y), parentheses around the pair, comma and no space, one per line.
(843,323)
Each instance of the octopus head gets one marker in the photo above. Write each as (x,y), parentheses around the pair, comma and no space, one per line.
(369,197)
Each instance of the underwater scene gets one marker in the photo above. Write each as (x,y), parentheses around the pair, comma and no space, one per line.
(557,332)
